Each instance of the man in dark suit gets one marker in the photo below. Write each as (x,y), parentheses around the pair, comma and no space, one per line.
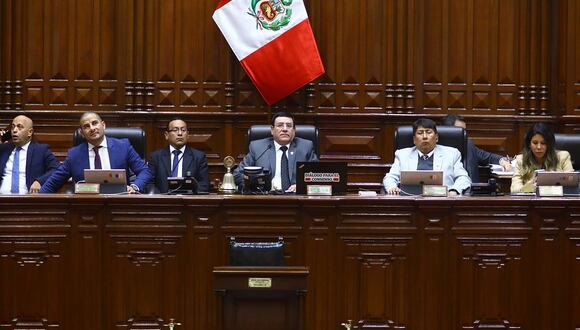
(278,153)
(178,159)
(25,165)
(475,155)
(99,152)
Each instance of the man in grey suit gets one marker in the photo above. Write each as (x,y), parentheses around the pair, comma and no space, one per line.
(428,155)
(278,153)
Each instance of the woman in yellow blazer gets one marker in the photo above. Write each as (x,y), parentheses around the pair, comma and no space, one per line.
(538,153)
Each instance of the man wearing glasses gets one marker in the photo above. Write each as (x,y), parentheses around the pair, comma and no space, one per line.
(428,155)
(178,159)
(279,154)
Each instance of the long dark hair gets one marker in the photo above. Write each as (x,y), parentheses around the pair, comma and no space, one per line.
(529,163)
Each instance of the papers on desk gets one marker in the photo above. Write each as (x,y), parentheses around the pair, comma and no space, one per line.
(498,171)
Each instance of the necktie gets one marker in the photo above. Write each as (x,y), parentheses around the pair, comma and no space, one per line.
(98,165)
(175,162)
(16,172)
(425,157)
(284,173)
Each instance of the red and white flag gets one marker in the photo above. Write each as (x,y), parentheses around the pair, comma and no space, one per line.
(273,41)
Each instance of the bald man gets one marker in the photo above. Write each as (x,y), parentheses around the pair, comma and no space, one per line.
(98,152)
(25,165)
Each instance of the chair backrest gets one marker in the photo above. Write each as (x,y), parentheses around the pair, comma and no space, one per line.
(308,132)
(135,135)
(570,143)
(252,254)
(450,136)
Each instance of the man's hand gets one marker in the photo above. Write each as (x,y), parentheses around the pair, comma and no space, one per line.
(507,166)
(394,191)
(453,193)
(132,189)
(34,187)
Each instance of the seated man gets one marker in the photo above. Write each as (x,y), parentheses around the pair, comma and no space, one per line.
(99,152)
(428,155)
(25,165)
(278,153)
(178,159)
(476,156)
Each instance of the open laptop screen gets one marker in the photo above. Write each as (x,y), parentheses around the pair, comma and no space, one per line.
(566,179)
(321,173)
(421,177)
(113,176)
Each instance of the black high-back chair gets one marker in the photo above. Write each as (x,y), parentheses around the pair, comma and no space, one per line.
(450,136)
(570,143)
(308,132)
(135,135)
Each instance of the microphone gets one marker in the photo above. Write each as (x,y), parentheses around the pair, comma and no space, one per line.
(263,152)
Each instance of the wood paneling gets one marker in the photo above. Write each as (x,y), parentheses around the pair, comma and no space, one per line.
(502,63)
(135,262)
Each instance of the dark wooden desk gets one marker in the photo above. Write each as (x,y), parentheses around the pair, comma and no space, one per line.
(134,262)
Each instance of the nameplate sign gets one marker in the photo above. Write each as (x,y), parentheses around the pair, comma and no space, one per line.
(319,190)
(87,188)
(259,282)
(550,191)
(434,190)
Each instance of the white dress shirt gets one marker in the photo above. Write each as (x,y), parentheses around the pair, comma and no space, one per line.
(103,153)
(6,186)
(277,179)
(179,161)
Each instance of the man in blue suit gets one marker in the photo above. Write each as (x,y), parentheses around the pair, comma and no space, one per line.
(178,159)
(99,152)
(278,153)
(25,165)
(428,155)
(475,155)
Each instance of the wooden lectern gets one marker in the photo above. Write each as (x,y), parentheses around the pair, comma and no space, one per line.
(261,298)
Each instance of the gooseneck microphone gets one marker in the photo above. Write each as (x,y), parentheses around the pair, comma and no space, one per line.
(263,152)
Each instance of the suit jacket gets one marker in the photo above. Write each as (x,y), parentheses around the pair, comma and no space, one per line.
(445,158)
(519,185)
(263,153)
(477,157)
(121,155)
(193,161)
(40,162)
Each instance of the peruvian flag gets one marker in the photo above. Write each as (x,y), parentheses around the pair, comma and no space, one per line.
(273,41)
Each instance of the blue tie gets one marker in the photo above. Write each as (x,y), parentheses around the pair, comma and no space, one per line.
(175,162)
(16,172)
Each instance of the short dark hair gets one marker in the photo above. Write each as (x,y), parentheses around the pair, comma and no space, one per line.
(174,119)
(450,120)
(282,114)
(425,123)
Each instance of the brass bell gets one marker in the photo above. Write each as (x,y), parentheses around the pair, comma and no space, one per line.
(228,185)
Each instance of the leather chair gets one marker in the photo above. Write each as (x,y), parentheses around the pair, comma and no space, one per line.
(450,136)
(570,143)
(135,135)
(308,132)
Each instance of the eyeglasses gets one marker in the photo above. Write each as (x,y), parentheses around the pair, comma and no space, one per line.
(281,125)
(177,130)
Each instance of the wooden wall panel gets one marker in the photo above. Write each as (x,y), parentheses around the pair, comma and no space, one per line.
(94,262)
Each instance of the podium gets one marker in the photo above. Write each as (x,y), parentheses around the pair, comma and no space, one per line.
(261,298)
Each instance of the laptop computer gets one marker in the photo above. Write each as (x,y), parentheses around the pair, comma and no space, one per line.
(321,173)
(412,181)
(111,181)
(566,179)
